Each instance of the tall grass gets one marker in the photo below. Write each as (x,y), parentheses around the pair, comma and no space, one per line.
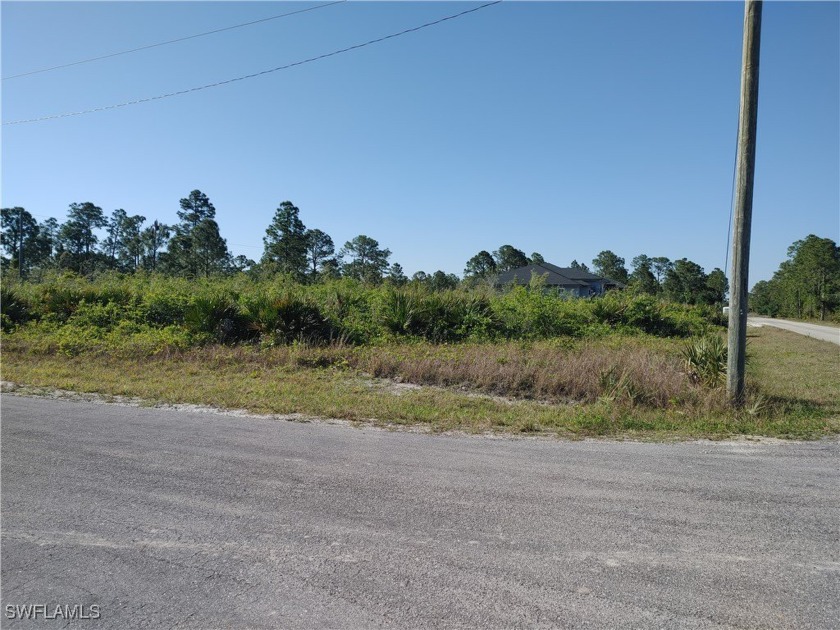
(632,374)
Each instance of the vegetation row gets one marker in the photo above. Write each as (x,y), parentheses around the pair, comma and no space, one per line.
(163,312)
(90,243)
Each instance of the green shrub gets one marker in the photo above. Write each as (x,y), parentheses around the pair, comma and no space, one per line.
(76,340)
(684,320)
(217,316)
(705,358)
(400,311)
(164,309)
(349,307)
(275,309)
(60,302)
(452,316)
(437,316)
(140,340)
(535,314)
(478,321)
(96,315)
(644,312)
(286,319)
(609,309)
(14,310)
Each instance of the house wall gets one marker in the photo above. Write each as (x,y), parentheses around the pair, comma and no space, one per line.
(576,290)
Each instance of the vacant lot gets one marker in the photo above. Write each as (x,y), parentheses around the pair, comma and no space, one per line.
(635,386)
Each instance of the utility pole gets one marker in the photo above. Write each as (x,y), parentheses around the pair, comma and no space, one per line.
(20,242)
(155,246)
(738,283)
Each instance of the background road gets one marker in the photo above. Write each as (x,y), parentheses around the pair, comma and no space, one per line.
(824,333)
(175,519)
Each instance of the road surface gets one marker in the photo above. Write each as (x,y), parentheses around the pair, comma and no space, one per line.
(824,333)
(172,519)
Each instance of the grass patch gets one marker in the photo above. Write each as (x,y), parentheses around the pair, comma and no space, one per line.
(617,386)
(794,368)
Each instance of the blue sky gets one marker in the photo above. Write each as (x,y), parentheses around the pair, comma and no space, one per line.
(558,127)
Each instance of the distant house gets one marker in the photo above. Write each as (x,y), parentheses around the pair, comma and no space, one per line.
(577,281)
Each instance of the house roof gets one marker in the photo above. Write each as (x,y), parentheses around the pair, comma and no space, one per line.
(553,276)
(572,272)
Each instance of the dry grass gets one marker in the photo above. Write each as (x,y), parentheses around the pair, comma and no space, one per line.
(618,387)
(634,374)
(629,371)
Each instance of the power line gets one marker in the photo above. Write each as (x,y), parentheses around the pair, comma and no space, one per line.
(255,74)
(171,41)
(732,196)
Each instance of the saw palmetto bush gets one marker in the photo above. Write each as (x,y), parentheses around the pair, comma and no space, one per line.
(287,318)
(438,316)
(14,309)
(401,312)
(217,317)
(705,359)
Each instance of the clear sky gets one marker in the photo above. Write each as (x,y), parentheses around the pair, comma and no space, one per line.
(559,127)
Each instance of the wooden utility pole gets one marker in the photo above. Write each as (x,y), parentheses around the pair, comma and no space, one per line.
(20,242)
(738,283)
(154,245)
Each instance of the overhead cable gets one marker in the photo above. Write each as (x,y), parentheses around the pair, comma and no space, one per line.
(732,198)
(255,74)
(171,41)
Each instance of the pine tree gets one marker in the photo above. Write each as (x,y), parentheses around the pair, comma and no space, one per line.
(481,265)
(197,248)
(319,249)
(367,261)
(286,241)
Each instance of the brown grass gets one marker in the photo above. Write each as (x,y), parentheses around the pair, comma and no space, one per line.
(630,373)
(616,386)
(637,375)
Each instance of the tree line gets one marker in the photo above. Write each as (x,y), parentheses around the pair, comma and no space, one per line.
(89,242)
(806,285)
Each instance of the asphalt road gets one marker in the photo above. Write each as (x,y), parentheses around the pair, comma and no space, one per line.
(169,519)
(824,333)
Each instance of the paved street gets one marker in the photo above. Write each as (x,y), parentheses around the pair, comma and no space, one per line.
(199,520)
(823,333)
